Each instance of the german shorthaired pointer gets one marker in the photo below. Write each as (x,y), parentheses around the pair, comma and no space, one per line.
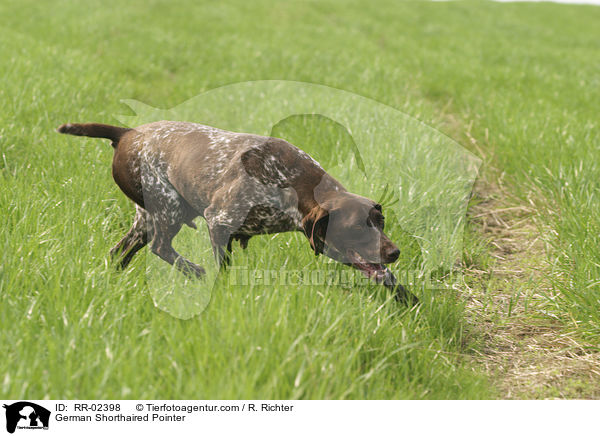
(243,185)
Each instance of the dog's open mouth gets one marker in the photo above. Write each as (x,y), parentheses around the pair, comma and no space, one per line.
(375,271)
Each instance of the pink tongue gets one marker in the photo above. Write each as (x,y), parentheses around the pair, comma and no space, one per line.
(378,275)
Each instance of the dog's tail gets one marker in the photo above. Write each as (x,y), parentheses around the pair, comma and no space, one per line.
(95,130)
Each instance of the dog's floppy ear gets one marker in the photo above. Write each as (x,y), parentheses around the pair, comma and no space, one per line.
(315,226)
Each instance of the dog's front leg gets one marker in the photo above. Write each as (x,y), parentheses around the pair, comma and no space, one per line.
(243,243)
(221,238)
(224,217)
(162,247)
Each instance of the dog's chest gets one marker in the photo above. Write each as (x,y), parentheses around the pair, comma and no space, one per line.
(263,219)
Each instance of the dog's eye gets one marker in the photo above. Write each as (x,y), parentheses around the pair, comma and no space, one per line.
(379,222)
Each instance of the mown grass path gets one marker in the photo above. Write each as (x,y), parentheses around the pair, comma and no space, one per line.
(527,351)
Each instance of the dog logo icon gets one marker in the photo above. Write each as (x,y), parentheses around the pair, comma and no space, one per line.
(26,415)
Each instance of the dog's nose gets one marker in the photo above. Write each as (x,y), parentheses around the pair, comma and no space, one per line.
(393,255)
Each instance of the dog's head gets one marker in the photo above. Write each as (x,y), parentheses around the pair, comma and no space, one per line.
(349,228)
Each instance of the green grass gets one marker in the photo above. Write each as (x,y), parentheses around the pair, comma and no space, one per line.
(73,327)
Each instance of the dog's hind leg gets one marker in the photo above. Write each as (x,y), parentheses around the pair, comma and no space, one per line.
(136,238)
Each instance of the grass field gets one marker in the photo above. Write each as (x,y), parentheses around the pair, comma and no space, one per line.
(516,84)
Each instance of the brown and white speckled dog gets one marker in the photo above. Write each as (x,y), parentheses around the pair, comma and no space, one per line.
(243,185)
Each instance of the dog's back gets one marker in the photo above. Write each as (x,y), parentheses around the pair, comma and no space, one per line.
(180,152)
